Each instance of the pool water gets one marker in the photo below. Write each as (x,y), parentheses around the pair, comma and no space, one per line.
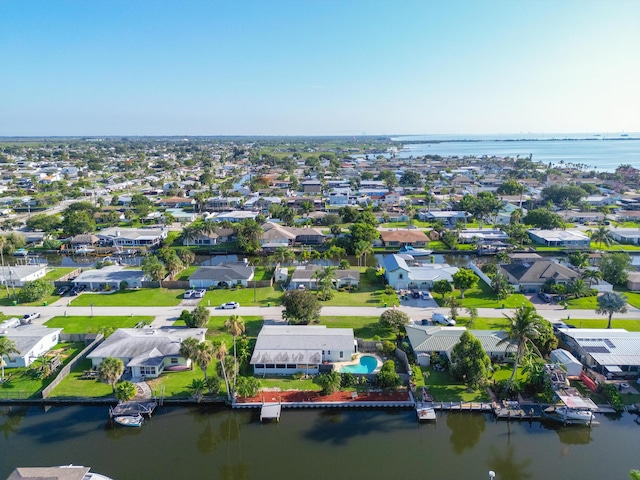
(367,364)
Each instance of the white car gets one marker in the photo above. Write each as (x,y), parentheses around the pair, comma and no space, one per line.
(199,293)
(229,305)
(28,317)
(443,320)
(189,293)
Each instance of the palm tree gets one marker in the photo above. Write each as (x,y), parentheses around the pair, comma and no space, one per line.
(110,371)
(524,326)
(591,276)
(7,348)
(203,356)
(188,349)
(235,326)
(220,352)
(3,240)
(610,303)
(576,288)
(326,276)
(600,235)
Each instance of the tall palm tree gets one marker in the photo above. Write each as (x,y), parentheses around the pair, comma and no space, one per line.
(110,371)
(188,349)
(524,326)
(235,326)
(3,240)
(591,276)
(610,303)
(325,276)
(600,235)
(203,355)
(220,352)
(7,348)
(576,288)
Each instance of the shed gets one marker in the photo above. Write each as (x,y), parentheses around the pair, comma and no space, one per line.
(571,364)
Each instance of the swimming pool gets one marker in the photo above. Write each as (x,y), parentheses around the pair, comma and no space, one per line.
(367,364)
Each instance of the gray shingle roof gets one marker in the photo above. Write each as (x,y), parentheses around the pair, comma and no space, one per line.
(223,273)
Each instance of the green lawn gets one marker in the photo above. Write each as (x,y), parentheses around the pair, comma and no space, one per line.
(186,273)
(584,303)
(483,296)
(244,296)
(93,324)
(415,223)
(444,388)
(633,298)
(630,325)
(484,323)
(55,273)
(143,297)
(25,385)
(176,383)
(369,294)
(287,383)
(73,387)
(363,327)
(615,247)
(7,300)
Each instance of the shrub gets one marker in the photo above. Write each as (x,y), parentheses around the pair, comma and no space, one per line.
(388,348)
(347,380)
(387,376)
(34,291)
(613,395)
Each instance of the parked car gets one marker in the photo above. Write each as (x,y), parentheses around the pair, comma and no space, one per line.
(229,305)
(441,319)
(74,291)
(199,293)
(189,293)
(545,297)
(28,317)
(62,291)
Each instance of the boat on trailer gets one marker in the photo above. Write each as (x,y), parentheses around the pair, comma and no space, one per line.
(129,420)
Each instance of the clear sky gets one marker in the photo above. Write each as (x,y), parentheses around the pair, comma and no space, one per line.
(305,67)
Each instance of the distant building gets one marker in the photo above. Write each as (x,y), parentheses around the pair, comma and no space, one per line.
(529,277)
(560,238)
(32,341)
(401,276)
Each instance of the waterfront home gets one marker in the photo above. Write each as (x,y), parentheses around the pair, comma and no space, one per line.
(234,216)
(276,235)
(560,238)
(225,275)
(305,277)
(112,277)
(529,277)
(132,237)
(289,349)
(400,275)
(147,351)
(571,364)
(312,187)
(613,352)
(17,275)
(625,235)
(401,238)
(32,341)
(427,339)
(477,235)
(448,217)
(221,235)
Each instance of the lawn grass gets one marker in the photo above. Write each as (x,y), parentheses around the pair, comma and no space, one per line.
(444,388)
(73,387)
(7,300)
(176,383)
(186,273)
(615,247)
(630,325)
(369,294)
(288,383)
(363,327)
(483,296)
(584,303)
(24,385)
(633,298)
(93,324)
(143,297)
(55,273)
(484,323)
(244,296)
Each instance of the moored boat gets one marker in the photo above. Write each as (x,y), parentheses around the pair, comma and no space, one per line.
(415,252)
(571,415)
(129,420)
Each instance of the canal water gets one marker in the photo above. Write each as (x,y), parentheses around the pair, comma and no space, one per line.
(217,443)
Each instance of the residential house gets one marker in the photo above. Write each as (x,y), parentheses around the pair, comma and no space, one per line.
(427,339)
(304,277)
(625,235)
(400,238)
(581,217)
(402,276)
(289,349)
(177,202)
(560,238)
(276,235)
(613,352)
(529,277)
(181,216)
(32,341)
(221,235)
(84,239)
(312,187)
(132,237)
(448,217)
(633,281)
(474,235)
(147,352)
(18,275)
(504,214)
(226,275)
(234,216)
(112,277)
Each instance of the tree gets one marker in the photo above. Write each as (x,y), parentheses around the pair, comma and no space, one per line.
(442,287)
(199,317)
(189,346)
(469,360)
(153,268)
(248,235)
(579,259)
(524,326)
(325,277)
(473,315)
(591,276)
(330,382)
(203,355)
(543,218)
(411,178)
(576,288)
(78,222)
(125,391)
(187,257)
(110,371)
(247,387)
(451,238)
(220,352)
(610,303)
(300,306)
(561,193)
(600,235)
(235,326)
(387,376)
(501,286)
(45,223)
(35,291)
(7,348)
(614,268)
(464,279)
(394,320)
(454,304)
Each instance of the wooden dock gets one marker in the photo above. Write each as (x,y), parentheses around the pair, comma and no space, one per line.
(425,413)
(270,411)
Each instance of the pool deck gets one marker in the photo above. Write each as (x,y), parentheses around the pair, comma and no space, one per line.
(340,365)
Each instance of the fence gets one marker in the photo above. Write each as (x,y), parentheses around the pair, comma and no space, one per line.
(402,356)
(66,370)
(366,345)
(260,283)
(64,281)
(175,284)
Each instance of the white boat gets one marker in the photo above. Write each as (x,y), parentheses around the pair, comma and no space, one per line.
(415,252)
(83,250)
(574,415)
(129,420)
(21,252)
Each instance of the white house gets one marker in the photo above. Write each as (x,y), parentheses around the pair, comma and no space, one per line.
(402,276)
(289,349)
(147,351)
(132,237)
(226,275)
(571,364)
(113,276)
(560,238)
(17,275)
(32,341)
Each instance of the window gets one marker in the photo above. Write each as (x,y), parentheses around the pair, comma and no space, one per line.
(281,365)
(259,365)
(341,354)
(328,352)
(291,366)
(147,371)
(174,361)
(401,276)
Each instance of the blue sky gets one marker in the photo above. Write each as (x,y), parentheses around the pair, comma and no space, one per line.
(304,67)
